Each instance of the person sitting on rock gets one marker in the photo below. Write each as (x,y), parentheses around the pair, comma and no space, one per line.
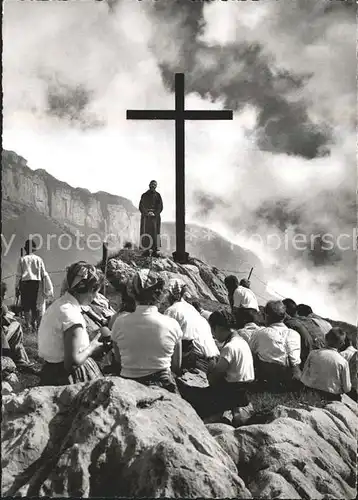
(350,354)
(313,326)
(198,344)
(63,341)
(147,344)
(248,322)
(240,296)
(326,371)
(277,350)
(229,377)
(12,337)
(294,322)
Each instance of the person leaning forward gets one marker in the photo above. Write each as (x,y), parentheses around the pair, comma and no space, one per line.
(150,206)
(147,344)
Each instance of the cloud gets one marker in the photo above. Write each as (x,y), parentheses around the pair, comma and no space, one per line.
(285,163)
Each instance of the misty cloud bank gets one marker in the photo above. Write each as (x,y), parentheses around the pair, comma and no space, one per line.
(284,165)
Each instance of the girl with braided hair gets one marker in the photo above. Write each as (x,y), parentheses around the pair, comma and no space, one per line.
(63,340)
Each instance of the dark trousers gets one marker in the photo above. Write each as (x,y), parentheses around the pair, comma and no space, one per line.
(214,399)
(162,378)
(275,377)
(29,291)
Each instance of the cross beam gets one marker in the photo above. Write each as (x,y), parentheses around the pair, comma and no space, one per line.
(179,115)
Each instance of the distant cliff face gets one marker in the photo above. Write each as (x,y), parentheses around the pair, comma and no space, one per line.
(75,208)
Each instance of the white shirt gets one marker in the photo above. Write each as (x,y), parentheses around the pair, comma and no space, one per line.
(30,267)
(62,314)
(248,330)
(277,344)
(326,370)
(146,340)
(194,327)
(244,297)
(241,364)
(206,314)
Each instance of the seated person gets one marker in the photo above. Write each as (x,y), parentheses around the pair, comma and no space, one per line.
(247,322)
(293,321)
(277,350)
(229,377)
(326,370)
(350,354)
(12,337)
(147,344)
(63,340)
(305,311)
(316,333)
(198,344)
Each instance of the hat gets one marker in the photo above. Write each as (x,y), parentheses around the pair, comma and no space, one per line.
(146,280)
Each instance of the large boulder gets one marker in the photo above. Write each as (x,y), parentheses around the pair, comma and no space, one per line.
(202,281)
(110,438)
(302,453)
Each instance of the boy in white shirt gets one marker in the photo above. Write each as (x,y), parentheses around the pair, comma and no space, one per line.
(326,370)
(229,378)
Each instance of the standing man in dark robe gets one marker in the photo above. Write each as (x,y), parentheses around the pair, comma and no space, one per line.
(150,206)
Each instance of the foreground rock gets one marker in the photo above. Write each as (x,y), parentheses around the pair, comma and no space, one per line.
(303,453)
(111,438)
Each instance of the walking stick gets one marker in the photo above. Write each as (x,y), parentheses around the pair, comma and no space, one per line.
(250,273)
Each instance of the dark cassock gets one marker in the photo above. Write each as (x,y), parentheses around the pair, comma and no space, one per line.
(150,206)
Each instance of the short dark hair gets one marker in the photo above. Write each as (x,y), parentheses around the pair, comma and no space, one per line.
(275,311)
(30,246)
(304,310)
(245,283)
(246,315)
(336,337)
(231,282)
(221,318)
(291,306)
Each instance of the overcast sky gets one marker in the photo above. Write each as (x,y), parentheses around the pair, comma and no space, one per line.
(287,69)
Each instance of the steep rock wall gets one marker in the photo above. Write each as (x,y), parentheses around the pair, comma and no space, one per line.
(75,208)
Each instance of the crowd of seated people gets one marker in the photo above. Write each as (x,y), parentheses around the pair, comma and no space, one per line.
(283,347)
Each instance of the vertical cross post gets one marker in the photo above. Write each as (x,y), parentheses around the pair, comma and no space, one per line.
(179,115)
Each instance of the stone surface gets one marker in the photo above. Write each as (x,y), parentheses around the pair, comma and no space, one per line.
(111,438)
(303,453)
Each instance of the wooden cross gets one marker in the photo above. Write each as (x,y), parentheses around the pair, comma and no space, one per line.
(179,115)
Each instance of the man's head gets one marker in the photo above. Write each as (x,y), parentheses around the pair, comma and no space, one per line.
(291,307)
(335,338)
(30,246)
(3,289)
(153,185)
(245,283)
(243,316)
(221,323)
(231,283)
(304,310)
(275,311)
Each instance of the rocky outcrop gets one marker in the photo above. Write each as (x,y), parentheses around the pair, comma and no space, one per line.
(302,453)
(202,281)
(111,438)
